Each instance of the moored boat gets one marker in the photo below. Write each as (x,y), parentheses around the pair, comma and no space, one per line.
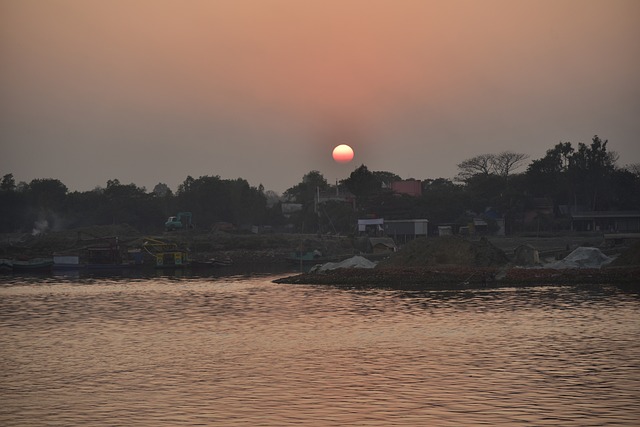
(310,257)
(166,255)
(34,264)
(6,265)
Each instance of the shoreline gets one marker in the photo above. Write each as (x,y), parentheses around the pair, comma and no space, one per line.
(462,278)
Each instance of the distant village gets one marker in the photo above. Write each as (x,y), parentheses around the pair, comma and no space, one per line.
(582,188)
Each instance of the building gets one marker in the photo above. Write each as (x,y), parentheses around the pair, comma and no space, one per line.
(372,227)
(411,187)
(403,230)
(606,221)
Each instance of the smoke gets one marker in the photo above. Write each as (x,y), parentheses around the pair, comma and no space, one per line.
(48,221)
(40,227)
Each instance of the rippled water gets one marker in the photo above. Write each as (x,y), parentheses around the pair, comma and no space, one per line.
(245,351)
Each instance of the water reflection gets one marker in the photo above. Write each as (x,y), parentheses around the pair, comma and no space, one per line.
(238,350)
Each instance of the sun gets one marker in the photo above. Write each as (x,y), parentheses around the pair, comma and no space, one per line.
(343,153)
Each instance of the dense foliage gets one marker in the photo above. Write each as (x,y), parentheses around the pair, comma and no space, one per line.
(567,178)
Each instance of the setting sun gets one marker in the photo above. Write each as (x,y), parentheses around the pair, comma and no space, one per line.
(343,153)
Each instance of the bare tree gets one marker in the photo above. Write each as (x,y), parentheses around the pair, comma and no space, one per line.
(634,168)
(484,164)
(508,161)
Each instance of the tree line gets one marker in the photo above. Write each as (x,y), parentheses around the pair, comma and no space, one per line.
(570,178)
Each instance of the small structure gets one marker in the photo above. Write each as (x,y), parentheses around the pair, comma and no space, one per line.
(290,208)
(479,225)
(403,230)
(372,227)
(606,221)
(526,255)
(542,207)
(445,230)
(410,187)
(382,245)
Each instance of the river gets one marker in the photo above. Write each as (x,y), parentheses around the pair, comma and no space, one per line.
(241,350)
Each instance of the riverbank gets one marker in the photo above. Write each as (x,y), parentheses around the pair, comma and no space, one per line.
(244,249)
(240,248)
(460,278)
(457,263)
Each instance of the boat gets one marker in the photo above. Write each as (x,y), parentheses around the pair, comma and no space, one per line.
(166,255)
(309,257)
(66,262)
(98,253)
(211,262)
(33,264)
(6,265)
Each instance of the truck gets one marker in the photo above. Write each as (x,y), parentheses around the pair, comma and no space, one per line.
(181,221)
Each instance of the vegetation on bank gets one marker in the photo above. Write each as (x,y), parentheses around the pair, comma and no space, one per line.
(585,177)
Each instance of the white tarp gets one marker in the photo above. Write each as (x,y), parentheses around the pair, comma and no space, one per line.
(582,258)
(353,262)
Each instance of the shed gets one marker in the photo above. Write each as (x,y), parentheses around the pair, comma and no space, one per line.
(380,245)
(403,230)
(372,226)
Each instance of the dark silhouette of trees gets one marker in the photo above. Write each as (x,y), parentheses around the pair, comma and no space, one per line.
(386,178)
(363,183)
(305,191)
(502,164)
(506,162)
(581,177)
(13,205)
(8,183)
(482,164)
(211,199)
(591,168)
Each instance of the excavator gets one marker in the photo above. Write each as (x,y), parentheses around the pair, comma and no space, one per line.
(181,221)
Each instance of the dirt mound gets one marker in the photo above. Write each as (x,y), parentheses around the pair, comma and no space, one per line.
(629,257)
(353,262)
(582,257)
(447,250)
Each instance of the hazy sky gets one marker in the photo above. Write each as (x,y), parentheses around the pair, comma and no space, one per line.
(150,91)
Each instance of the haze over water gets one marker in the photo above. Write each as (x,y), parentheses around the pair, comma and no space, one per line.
(242,350)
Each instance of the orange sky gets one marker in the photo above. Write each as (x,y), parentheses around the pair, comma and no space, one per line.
(263,89)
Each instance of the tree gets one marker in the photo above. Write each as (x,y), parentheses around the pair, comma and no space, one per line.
(305,191)
(47,194)
(484,164)
(130,204)
(8,183)
(336,217)
(211,199)
(13,205)
(162,190)
(386,178)
(363,183)
(502,164)
(443,200)
(548,176)
(623,191)
(633,168)
(590,168)
(508,161)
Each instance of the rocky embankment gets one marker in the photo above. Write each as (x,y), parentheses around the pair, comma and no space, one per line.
(456,263)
